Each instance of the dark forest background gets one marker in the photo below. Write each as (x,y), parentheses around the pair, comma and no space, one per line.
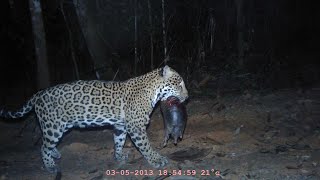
(216,45)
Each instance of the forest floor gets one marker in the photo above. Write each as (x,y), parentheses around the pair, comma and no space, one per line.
(253,135)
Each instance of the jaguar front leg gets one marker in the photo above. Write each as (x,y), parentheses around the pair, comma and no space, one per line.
(140,139)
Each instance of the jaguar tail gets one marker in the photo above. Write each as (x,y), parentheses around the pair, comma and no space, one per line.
(26,108)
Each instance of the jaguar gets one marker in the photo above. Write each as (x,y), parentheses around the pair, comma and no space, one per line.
(124,105)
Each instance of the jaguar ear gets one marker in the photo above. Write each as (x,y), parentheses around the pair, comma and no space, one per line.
(166,72)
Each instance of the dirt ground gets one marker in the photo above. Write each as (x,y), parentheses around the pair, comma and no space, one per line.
(252,135)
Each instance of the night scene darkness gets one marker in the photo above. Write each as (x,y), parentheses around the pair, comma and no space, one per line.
(159,89)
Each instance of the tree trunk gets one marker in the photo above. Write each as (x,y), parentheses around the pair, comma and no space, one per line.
(151,35)
(135,37)
(73,53)
(211,30)
(81,58)
(87,12)
(240,28)
(11,3)
(164,34)
(39,36)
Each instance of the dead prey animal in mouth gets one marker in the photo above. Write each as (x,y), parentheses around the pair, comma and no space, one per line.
(175,119)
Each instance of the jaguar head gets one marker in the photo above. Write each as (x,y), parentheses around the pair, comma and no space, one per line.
(173,85)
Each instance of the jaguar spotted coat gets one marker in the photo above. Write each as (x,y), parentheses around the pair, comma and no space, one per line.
(125,105)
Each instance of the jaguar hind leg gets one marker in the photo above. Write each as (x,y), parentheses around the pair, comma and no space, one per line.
(55,153)
(49,151)
(48,161)
(119,137)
